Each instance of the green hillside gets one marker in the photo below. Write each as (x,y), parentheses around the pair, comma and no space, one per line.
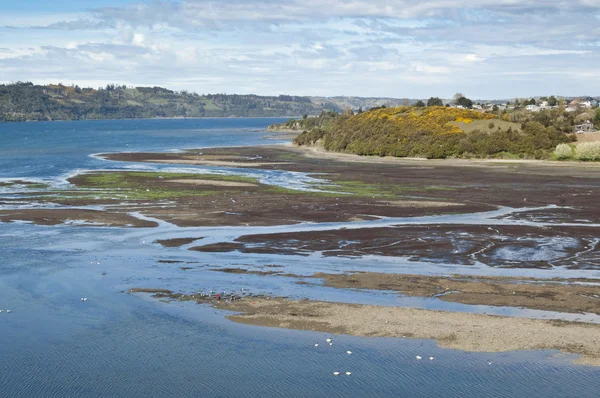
(435,132)
(26,101)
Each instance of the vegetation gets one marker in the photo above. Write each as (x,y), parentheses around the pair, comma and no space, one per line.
(438,132)
(584,151)
(307,123)
(435,101)
(26,101)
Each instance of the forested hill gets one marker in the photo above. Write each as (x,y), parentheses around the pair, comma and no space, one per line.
(438,132)
(26,101)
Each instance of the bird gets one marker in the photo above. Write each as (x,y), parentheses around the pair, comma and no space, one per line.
(348,373)
(330,344)
(336,373)
(316,345)
(431,358)
(348,352)
(85,299)
(328,340)
(418,357)
(0,311)
(8,311)
(489,363)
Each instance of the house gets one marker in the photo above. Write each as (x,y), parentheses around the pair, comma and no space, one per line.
(586,104)
(532,108)
(544,105)
(585,127)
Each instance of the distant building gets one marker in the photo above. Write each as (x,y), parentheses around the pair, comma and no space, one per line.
(532,108)
(585,127)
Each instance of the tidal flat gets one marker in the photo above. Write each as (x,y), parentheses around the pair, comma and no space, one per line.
(490,268)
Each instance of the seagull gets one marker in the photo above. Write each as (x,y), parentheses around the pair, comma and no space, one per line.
(328,340)
(316,345)
(8,311)
(336,373)
(348,352)
(489,363)
(418,357)
(0,311)
(84,299)
(431,358)
(348,373)
(330,344)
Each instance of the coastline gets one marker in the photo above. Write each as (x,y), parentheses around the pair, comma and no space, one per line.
(454,330)
(320,153)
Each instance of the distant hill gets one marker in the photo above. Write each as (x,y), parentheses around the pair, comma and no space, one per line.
(26,101)
(363,103)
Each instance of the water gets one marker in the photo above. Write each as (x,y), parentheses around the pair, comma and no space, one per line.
(115,344)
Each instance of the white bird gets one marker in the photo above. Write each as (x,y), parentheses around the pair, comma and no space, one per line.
(330,344)
(418,357)
(328,340)
(85,299)
(316,345)
(431,358)
(348,373)
(8,311)
(348,352)
(489,362)
(336,373)
(82,299)
(0,311)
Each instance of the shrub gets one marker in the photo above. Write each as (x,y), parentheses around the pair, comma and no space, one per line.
(588,151)
(563,151)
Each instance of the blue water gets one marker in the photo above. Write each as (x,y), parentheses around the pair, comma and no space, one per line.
(41,150)
(121,345)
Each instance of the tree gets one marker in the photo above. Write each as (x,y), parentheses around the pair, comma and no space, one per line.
(597,118)
(435,101)
(552,101)
(419,104)
(463,101)
(456,97)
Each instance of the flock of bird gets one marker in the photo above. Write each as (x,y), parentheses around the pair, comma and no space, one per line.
(329,340)
(7,311)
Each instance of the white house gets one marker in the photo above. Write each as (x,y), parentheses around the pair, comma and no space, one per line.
(532,108)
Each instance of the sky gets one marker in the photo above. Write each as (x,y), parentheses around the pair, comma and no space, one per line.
(485,49)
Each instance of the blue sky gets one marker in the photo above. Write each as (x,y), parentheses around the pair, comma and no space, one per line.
(395,48)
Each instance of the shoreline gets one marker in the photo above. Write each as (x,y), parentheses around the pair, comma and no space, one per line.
(321,153)
(453,330)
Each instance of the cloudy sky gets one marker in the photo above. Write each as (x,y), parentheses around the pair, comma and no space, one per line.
(395,48)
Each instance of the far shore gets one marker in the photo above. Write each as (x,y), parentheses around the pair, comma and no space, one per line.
(321,153)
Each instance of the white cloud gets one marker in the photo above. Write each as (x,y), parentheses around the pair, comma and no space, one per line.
(397,48)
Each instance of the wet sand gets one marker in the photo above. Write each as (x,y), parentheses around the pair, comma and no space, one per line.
(553,294)
(461,331)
